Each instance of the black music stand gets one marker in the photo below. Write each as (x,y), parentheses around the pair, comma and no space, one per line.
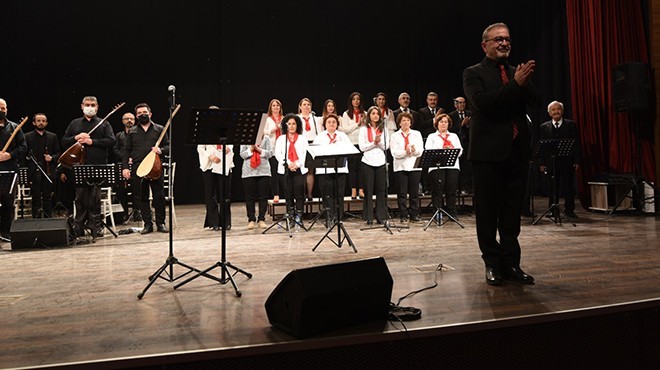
(439,158)
(334,161)
(553,149)
(24,181)
(40,211)
(7,183)
(222,126)
(96,175)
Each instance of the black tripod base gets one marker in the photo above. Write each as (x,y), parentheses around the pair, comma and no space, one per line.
(340,240)
(287,223)
(169,262)
(225,275)
(437,219)
(554,213)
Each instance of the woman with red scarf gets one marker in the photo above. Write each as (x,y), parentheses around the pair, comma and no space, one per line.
(256,178)
(350,125)
(290,151)
(444,180)
(374,141)
(273,130)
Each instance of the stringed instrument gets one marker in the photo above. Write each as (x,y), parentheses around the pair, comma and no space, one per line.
(151,167)
(76,152)
(13,134)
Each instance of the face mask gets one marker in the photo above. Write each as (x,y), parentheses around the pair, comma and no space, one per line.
(143,118)
(3,115)
(89,111)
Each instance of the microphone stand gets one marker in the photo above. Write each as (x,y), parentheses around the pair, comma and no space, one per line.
(40,211)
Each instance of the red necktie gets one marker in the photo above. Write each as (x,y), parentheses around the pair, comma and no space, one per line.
(356,115)
(505,80)
(255,161)
(446,144)
(293,155)
(333,138)
(406,142)
(219,147)
(307,126)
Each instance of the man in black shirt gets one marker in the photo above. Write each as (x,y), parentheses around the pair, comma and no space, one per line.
(96,144)
(124,187)
(141,140)
(9,162)
(44,147)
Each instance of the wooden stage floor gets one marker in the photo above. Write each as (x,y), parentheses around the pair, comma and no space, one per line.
(79,304)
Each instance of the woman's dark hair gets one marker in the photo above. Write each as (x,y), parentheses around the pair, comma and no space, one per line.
(285,122)
(331,115)
(441,116)
(349,110)
(367,118)
(405,115)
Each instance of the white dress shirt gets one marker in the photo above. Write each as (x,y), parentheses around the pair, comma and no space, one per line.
(324,139)
(372,154)
(402,160)
(205,162)
(301,150)
(434,141)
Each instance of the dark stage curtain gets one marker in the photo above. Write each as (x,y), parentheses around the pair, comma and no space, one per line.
(601,35)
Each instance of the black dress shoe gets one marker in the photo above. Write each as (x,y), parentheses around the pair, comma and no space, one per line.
(370,222)
(571,214)
(416,219)
(492,276)
(148,228)
(517,274)
(161,228)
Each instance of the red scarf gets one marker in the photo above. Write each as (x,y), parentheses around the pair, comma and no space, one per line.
(293,156)
(406,142)
(219,147)
(333,138)
(356,115)
(371,135)
(255,161)
(278,122)
(307,126)
(446,144)
(384,112)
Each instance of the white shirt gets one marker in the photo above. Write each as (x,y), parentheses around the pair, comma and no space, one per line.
(351,126)
(402,160)
(314,125)
(434,141)
(271,128)
(205,163)
(373,155)
(324,139)
(301,150)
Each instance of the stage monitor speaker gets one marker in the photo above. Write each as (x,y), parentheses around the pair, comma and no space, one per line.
(631,90)
(39,233)
(315,300)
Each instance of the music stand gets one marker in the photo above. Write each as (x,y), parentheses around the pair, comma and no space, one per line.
(96,175)
(333,156)
(439,158)
(222,126)
(554,148)
(24,181)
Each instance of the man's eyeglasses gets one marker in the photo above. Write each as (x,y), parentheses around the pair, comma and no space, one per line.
(500,40)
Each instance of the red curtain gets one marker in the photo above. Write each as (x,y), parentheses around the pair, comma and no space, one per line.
(601,35)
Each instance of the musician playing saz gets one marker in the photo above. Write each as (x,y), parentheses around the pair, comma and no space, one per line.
(9,162)
(140,140)
(96,146)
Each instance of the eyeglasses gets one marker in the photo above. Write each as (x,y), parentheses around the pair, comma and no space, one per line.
(500,40)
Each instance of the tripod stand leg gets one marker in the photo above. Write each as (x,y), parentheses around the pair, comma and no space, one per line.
(434,218)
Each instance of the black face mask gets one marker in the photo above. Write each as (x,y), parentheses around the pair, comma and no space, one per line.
(143,118)
(3,115)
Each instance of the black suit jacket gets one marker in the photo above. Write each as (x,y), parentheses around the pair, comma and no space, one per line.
(494,108)
(567,130)
(38,149)
(426,121)
(456,122)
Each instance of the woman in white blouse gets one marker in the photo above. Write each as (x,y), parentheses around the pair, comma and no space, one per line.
(350,125)
(210,162)
(290,151)
(407,145)
(273,130)
(444,180)
(374,141)
(311,126)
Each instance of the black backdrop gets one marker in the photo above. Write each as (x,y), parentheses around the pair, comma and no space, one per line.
(241,54)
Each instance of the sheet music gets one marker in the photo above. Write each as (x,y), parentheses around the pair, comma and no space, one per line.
(339,148)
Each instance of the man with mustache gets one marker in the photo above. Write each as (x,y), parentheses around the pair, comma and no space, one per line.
(44,146)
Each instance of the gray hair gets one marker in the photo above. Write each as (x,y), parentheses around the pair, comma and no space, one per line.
(555,102)
(90,98)
(484,36)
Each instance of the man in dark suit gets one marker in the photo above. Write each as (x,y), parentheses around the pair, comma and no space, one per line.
(427,114)
(461,127)
(404,106)
(499,152)
(561,128)
(44,148)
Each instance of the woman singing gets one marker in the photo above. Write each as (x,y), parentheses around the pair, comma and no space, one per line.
(326,175)
(273,130)
(311,128)
(256,178)
(444,180)
(210,162)
(350,124)
(290,151)
(406,146)
(374,141)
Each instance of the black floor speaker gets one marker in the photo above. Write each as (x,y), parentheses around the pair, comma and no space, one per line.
(320,299)
(39,233)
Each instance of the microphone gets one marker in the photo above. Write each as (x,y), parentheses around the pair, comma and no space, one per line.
(172,90)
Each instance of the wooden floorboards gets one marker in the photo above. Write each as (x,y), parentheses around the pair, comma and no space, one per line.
(80,303)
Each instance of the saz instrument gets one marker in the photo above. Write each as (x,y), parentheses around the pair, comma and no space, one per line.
(151,168)
(76,152)
(13,134)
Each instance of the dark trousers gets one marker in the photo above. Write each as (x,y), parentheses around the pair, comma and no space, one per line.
(256,190)
(141,188)
(88,209)
(327,186)
(275,179)
(444,182)
(498,191)
(354,164)
(374,182)
(42,196)
(294,190)
(408,185)
(213,186)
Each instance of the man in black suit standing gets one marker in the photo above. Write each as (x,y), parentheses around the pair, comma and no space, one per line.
(561,128)
(461,127)
(404,106)
(44,147)
(499,151)
(427,114)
